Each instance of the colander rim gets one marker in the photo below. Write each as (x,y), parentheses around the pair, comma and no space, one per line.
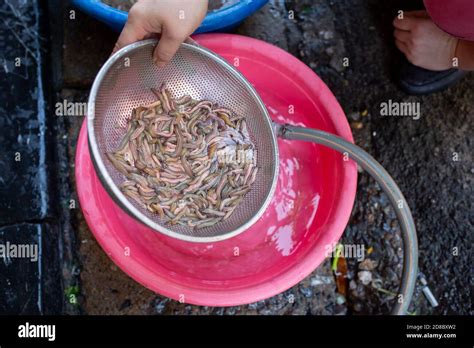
(114,191)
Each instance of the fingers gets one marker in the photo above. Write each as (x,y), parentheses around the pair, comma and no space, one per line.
(409,20)
(406,24)
(407,28)
(405,49)
(166,48)
(131,33)
(157,17)
(402,47)
(403,36)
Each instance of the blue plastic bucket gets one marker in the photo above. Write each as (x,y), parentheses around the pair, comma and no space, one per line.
(219,20)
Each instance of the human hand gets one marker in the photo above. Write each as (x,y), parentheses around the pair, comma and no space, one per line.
(423,43)
(175,20)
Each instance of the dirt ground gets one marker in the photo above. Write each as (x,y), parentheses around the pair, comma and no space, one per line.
(430,158)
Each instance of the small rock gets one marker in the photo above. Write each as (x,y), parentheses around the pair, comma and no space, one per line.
(327,34)
(220,311)
(125,304)
(253,305)
(358,307)
(354,116)
(388,236)
(340,299)
(352,285)
(231,311)
(400,252)
(329,51)
(368,265)
(371,218)
(393,259)
(188,308)
(365,277)
(391,276)
(161,305)
(257,305)
(307,292)
(320,280)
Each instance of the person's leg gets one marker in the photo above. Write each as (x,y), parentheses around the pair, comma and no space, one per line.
(430,52)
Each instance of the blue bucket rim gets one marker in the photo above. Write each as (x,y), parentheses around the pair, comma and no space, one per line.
(214,20)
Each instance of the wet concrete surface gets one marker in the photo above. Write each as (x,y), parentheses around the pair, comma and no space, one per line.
(418,153)
(30,281)
(25,156)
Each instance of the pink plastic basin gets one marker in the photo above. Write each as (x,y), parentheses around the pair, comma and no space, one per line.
(310,209)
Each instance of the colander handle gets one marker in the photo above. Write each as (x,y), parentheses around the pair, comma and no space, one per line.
(400,205)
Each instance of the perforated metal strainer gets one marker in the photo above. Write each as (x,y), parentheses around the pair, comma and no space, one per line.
(124,82)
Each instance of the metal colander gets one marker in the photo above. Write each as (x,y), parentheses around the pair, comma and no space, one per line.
(124,83)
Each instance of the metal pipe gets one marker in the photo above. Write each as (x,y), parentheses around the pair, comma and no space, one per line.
(388,185)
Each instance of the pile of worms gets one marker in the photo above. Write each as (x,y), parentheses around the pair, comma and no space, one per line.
(189,161)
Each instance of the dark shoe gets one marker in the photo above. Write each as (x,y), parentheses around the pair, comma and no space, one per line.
(418,81)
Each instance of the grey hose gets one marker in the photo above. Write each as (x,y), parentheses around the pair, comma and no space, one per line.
(407,226)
